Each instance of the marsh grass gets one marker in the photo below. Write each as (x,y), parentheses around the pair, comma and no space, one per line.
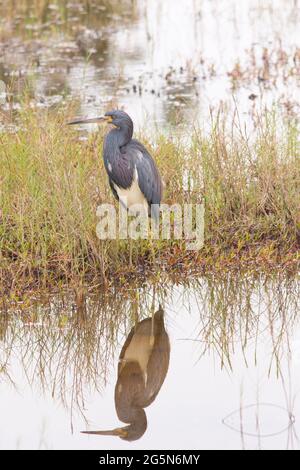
(52,179)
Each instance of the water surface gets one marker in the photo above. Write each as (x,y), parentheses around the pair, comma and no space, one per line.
(232,381)
(163,61)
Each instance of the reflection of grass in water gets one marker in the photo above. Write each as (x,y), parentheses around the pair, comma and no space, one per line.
(69,343)
(52,183)
(239,310)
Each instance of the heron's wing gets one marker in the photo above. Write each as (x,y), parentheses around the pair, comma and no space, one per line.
(157,368)
(129,391)
(159,359)
(120,170)
(148,176)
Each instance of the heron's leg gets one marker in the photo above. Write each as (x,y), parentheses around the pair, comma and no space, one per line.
(136,305)
(152,337)
(130,251)
(130,240)
(151,243)
(152,317)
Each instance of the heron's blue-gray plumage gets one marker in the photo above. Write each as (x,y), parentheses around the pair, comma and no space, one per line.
(118,164)
(124,155)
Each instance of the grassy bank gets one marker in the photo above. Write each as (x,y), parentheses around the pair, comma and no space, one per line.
(65,341)
(51,183)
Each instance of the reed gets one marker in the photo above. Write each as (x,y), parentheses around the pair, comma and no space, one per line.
(52,180)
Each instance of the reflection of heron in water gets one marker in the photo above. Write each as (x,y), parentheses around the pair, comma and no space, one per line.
(142,368)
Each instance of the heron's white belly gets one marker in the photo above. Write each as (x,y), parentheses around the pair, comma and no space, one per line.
(139,351)
(133,195)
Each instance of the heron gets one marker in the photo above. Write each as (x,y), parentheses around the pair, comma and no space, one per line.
(142,368)
(132,173)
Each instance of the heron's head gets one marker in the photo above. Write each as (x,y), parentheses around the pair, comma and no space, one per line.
(117,118)
(132,432)
(127,433)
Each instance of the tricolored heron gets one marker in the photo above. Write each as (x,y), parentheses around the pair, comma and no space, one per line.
(132,173)
(143,366)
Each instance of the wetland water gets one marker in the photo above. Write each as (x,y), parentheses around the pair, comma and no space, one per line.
(164,62)
(232,382)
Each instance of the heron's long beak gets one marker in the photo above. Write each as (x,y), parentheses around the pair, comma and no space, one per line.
(96,120)
(120,432)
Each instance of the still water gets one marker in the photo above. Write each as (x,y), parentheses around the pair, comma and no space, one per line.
(224,374)
(163,61)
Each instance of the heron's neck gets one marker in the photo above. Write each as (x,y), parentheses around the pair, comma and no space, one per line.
(138,423)
(113,142)
(136,414)
(120,136)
